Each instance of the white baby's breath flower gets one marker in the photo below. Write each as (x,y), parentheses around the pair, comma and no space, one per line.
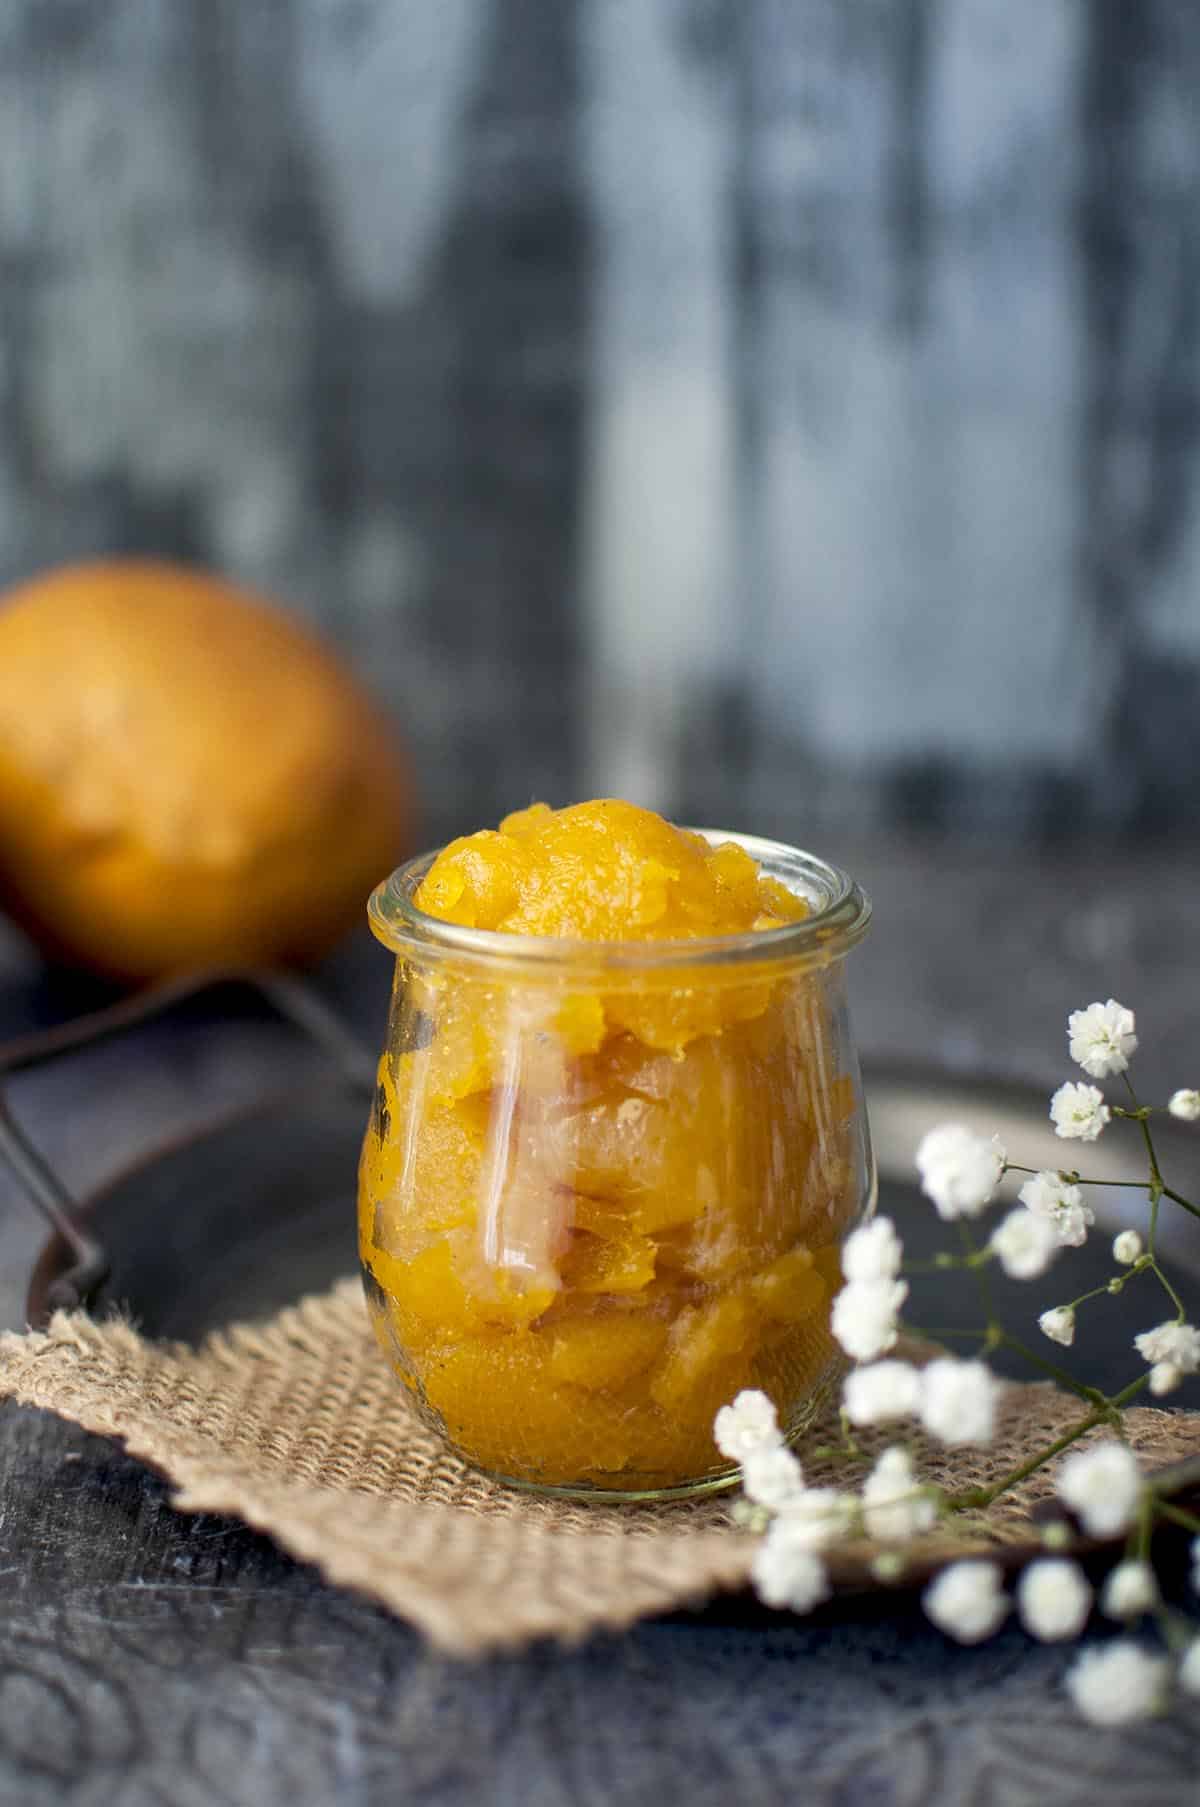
(966,1601)
(1101,1038)
(894,1507)
(881,1393)
(1053,1599)
(1189,1668)
(1101,1485)
(1119,1683)
(1026,1244)
(748,1424)
(821,1516)
(1178,1344)
(772,1477)
(1164,1378)
(958,1401)
(1185,1105)
(1079,1111)
(873,1252)
(786,1571)
(864,1317)
(1059,1325)
(1127,1247)
(1050,1196)
(1130,1590)
(959,1170)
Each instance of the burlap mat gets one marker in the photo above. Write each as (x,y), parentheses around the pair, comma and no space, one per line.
(298,1427)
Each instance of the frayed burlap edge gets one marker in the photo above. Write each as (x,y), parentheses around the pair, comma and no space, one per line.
(298,1427)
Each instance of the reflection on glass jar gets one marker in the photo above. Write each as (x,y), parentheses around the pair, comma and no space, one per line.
(604,1186)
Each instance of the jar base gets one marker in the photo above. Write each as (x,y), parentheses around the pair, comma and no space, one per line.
(583,1494)
(591,1495)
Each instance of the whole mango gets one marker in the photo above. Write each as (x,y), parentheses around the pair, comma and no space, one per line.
(188,777)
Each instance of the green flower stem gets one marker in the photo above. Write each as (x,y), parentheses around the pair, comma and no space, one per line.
(1078,1179)
(1178,1516)
(984,1496)
(1098,1292)
(1183,1202)
(1156,1180)
(1177,1302)
(995,1336)
(1175,1628)
(940,1264)
(849,1441)
(1117,1400)
(1107,1413)
(1093,1395)
(836,1452)
(975,1259)
(979,1336)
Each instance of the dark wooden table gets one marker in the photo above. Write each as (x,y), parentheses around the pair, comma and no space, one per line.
(153,1658)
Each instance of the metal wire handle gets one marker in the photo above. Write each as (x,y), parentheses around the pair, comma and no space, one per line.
(292,998)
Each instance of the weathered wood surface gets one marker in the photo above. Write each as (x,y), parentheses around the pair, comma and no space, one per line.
(163,1662)
(785,410)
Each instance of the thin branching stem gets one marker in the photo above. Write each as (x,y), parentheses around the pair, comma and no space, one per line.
(1177,1199)
(1177,1302)
(975,1261)
(985,1496)
(1091,1394)
(1177,1516)
(939,1265)
(1075,1178)
(1156,1179)
(1105,1290)
(979,1336)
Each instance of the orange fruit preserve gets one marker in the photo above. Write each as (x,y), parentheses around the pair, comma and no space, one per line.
(609,1168)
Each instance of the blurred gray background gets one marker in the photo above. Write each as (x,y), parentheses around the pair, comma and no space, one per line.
(783,412)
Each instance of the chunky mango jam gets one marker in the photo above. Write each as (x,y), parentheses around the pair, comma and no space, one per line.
(599,1195)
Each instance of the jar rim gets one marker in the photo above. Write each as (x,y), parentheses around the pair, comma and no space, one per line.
(838,920)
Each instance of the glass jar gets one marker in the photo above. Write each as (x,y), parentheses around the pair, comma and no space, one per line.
(604,1186)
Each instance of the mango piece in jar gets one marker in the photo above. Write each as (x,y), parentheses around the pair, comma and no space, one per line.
(434,1177)
(707,1357)
(601,871)
(790,1289)
(602,1352)
(444,1291)
(607,871)
(595,1264)
(711,1152)
(714,1129)
(501,1405)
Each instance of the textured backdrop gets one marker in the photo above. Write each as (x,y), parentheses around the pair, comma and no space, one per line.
(775,409)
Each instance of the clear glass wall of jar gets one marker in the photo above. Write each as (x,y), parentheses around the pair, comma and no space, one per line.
(604,1186)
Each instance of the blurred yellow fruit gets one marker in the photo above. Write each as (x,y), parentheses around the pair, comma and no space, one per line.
(187,777)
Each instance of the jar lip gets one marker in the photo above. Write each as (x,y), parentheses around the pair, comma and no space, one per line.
(840,916)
